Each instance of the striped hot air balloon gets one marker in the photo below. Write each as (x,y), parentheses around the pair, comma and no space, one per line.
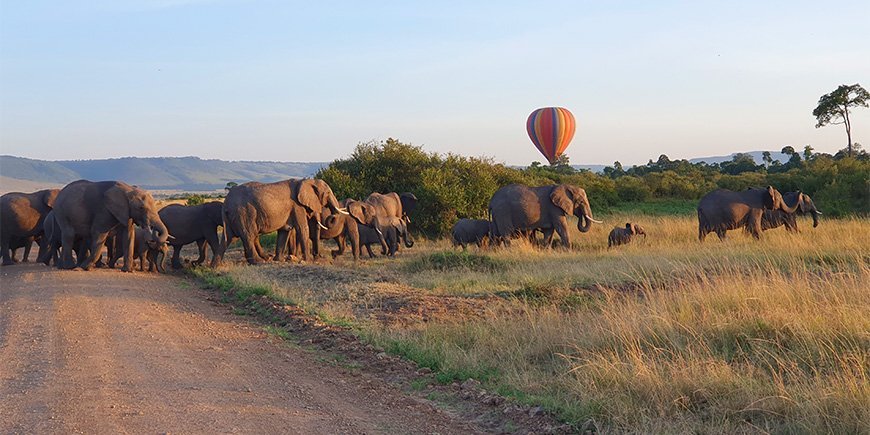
(551,130)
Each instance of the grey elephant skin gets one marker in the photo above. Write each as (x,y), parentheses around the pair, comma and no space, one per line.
(145,247)
(515,208)
(23,242)
(252,209)
(194,224)
(723,210)
(467,231)
(22,216)
(776,218)
(622,235)
(391,207)
(346,228)
(91,210)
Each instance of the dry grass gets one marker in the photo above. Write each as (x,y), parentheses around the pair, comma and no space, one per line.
(662,335)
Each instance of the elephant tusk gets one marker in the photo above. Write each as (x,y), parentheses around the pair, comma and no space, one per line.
(379,231)
(818,212)
(343,211)
(593,220)
(170,237)
(321,226)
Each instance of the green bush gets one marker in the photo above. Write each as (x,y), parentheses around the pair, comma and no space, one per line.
(450,187)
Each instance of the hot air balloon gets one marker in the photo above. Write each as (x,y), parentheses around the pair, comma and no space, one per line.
(551,130)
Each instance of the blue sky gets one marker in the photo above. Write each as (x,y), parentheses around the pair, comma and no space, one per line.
(307,81)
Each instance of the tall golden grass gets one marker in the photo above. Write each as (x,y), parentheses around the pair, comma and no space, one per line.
(665,334)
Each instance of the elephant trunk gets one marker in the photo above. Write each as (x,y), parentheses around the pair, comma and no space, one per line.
(335,206)
(815,214)
(160,259)
(584,221)
(406,234)
(157,228)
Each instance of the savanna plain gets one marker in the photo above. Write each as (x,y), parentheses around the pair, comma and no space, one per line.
(664,335)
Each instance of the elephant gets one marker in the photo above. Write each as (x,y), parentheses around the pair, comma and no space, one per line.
(196,223)
(91,210)
(22,242)
(622,235)
(254,208)
(344,228)
(22,216)
(145,247)
(775,218)
(515,208)
(391,233)
(389,207)
(467,231)
(722,210)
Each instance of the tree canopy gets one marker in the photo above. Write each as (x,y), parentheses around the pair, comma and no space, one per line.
(834,108)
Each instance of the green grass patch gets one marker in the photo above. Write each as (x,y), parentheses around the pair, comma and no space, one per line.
(658,207)
(453,260)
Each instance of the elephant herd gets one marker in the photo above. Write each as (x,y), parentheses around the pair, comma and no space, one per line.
(521,211)
(85,216)
(73,224)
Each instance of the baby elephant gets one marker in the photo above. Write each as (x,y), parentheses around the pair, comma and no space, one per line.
(620,236)
(467,231)
(145,247)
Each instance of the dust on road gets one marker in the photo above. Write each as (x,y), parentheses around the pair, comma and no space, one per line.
(104,351)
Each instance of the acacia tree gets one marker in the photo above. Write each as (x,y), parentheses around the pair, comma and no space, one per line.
(833,108)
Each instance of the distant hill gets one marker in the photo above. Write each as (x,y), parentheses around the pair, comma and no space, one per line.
(190,173)
(164,173)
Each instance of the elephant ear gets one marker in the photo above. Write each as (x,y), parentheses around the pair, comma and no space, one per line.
(49,197)
(562,198)
(409,202)
(307,195)
(770,198)
(359,211)
(117,201)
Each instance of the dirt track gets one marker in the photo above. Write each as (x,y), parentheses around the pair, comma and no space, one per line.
(108,352)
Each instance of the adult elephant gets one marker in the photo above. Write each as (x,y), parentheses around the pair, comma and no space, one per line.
(776,218)
(254,208)
(194,224)
(516,208)
(722,210)
(91,210)
(390,207)
(22,216)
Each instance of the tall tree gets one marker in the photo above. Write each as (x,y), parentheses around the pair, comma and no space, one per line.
(767,159)
(833,108)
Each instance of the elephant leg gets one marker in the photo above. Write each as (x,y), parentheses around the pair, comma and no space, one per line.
(211,237)
(7,255)
(260,251)
(97,241)
(352,232)
(341,243)
(200,247)
(548,237)
(26,256)
(281,245)
(562,230)
(176,257)
(369,249)
(721,233)
(67,241)
(251,253)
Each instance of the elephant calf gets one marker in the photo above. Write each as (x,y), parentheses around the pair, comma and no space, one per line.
(620,236)
(467,231)
(146,246)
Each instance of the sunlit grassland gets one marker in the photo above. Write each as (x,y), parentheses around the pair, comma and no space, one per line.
(665,334)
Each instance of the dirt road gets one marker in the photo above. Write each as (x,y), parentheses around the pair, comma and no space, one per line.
(108,352)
